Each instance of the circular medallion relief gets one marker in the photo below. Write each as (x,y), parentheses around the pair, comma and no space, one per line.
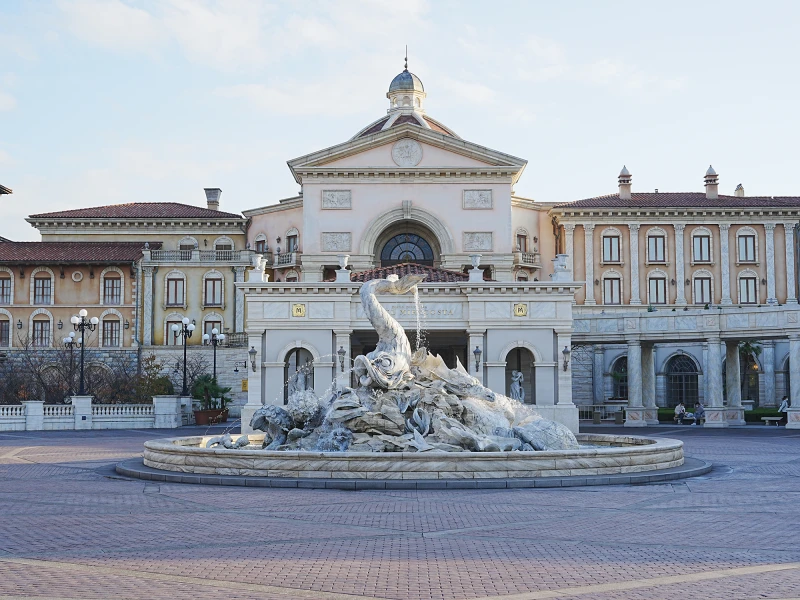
(77,276)
(406,153)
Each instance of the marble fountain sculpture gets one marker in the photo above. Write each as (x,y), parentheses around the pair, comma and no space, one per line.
(407,416)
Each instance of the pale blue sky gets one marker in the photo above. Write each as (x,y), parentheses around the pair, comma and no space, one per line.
(110,101)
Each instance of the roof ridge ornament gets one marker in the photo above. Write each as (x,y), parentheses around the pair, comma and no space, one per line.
(406,65)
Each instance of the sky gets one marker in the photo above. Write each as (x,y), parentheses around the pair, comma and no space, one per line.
(115,101)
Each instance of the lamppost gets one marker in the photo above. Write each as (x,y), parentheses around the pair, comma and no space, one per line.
(477,353)
(184,330)
(70,342)
(79,323)
(215,338)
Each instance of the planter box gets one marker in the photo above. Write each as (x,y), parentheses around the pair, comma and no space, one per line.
(211,416)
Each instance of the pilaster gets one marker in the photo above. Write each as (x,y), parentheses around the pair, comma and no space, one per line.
(598,367)
(649,384)
(147,306)
(734,415)
(82,411)
(239,300)
(564,375)
(791,292)
(768,372)
(634,414)
(715,411)
(769,229)
(569,247)
(725,262)
(342,341)
(636,297)
(588,232)
(255,379)
(680,272)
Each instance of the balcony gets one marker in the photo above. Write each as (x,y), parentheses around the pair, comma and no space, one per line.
(287,259)
(528,259)
(198,256)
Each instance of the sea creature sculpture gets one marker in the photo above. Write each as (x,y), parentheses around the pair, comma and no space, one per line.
(389,365)
(226,441)
(275,422)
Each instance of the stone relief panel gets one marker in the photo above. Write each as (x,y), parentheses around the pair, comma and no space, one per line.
(767,320)
(477,199)
(320,310)
(477,241)
(735,321)
(276,310)
(337,200)
(658,324)
(498,310)
(336,241)
(581,326)
(407,153)
(686,323)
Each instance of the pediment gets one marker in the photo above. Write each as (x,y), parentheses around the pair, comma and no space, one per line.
(429,150)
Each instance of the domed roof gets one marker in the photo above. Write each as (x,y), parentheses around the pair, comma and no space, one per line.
(406,82)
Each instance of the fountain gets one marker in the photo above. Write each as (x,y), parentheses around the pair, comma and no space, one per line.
(408,416)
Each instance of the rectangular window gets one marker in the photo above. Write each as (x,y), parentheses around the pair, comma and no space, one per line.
(747,248)
(702,290)
(41,333)
(655,249)
(112,290)
(747,290)
(173,338)
(658,290)
(291,243)
(42,290)
(611,248)
(111,331)
(522,243)
(5,333)
(209,325)
(702,248)
(612,291)
(175,292)
(213,292)
(261,245)
(5,290)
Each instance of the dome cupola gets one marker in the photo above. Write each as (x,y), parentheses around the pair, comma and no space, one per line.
(406,91)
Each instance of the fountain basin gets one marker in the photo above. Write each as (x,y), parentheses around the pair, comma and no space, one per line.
(610,455)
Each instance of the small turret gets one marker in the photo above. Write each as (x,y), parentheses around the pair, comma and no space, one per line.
(625,179)
(712,184)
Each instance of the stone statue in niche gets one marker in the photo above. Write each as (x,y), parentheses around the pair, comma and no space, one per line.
(517,393)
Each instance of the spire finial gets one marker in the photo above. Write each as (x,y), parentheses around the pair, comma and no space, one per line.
(406,67)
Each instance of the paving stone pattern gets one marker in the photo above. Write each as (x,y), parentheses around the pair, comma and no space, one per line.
(72,528)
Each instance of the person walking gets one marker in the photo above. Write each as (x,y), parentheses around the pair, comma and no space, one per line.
(784,408)
(680,412)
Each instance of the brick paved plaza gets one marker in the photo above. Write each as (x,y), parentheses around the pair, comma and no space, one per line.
(73,528)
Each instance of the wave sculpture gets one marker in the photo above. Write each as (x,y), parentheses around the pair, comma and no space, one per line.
(406,402)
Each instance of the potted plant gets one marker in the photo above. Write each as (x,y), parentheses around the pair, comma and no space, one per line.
(213,401)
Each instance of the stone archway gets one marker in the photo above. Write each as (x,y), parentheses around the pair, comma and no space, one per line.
(407,220)
(521,359)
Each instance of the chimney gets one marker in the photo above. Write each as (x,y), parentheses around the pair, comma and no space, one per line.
(212,197)
(625,184)
(712,184)
(739,193)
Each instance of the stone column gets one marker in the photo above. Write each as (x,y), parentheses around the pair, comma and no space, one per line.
(588,232)
(598,367)
(239,300)
(794,382)
(634,414)
(569,247)
(680,274)
(649,384)
(791,293)
(545,378)
(34,414)
(167,412)
(82,411)
(769,229)
(725,262)
(733,384)
(715,412)
(147,306)
(768,372)
(342,338)
(255,379)
(636,297)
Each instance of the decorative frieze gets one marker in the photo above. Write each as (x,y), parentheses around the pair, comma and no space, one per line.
(337,200)
(477,200)
(337,241)
(478,241)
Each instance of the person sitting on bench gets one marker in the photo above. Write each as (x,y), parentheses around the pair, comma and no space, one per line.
(680,413)
(699,414)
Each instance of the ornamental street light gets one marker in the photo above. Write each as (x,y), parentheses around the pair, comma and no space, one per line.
(215,338)
(70,342)
(477,353)
(184,330)
(80,323)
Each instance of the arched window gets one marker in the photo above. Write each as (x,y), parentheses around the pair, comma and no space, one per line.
(175,289)
(748,287)
(612,246)
(293,240)
(40,328)
(522,276)
(702,250)
(170,337)
(112,287)
(520,360)
(42,282)
(612,288)
(213,320)
(703,286)
(213,289)
(291,277)
(407,247)
(185,248)
(298,372)
(261,244)
(6,327)
(619,378)
(657,287)
(522,240)
(6,286)
(746,246)
(682,386)
(111,329)
(656,246)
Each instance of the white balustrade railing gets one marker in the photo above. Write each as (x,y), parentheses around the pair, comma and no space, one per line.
(57,410)
(122,410)
(12,410)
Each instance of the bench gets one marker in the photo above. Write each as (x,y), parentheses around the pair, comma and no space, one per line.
(768,420)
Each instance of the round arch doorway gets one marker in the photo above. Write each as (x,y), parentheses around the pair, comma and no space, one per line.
(521,360)
(408,242)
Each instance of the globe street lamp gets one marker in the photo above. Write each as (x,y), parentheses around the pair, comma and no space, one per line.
(80,323)
(184,330)
(70,342)
(215,338)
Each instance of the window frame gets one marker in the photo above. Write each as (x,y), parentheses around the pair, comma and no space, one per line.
(116,334)
(659,279)
(217,290)
(7,295)
(743,235)
(39,296)
(168,291)
(745,278)
(608,278)
(698,235)
(612,238)
(661,236)
(116,296)
(36,336)
(5,338)
(702,278)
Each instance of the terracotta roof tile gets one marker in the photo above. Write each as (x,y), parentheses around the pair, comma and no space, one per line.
(140,210)
(682,200)
(437,127)
(72,252)
(432,274)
